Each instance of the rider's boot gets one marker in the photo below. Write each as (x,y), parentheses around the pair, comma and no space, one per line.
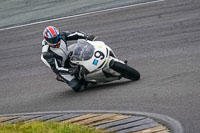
(84,84)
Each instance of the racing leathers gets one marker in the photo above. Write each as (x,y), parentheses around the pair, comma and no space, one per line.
(57,58)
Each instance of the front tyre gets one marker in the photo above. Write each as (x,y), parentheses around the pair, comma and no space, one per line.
(125,70)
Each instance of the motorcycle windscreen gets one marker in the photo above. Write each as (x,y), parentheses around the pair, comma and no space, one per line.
(82,51)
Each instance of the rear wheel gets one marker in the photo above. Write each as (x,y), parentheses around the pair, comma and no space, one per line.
(125,70)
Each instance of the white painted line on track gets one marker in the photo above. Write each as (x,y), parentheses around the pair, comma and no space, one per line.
(84,14)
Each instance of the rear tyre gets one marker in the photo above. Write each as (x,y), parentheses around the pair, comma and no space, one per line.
(125,70)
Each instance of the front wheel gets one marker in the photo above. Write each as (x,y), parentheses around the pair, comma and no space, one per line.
(125,70)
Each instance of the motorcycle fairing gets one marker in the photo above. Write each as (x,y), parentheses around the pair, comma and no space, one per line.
(99,54)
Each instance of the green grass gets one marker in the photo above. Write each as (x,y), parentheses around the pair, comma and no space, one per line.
(45,127)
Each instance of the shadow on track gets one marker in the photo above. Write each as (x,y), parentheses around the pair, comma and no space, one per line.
(99,87)
(96,88)
(67,99)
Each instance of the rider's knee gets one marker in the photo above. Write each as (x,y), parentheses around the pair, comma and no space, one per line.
(75,84)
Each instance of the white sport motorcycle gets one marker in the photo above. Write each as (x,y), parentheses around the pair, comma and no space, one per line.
(98,64)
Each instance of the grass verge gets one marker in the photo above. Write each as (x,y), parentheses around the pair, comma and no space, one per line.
(45,127)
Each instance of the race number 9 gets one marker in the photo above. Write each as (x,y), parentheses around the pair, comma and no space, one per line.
(99,54)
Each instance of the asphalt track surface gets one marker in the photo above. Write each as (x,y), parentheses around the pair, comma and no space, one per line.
(161,40)
(15,12)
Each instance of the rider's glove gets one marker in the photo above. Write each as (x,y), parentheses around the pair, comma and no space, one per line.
(91,37)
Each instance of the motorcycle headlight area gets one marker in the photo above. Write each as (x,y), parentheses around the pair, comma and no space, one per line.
(82,51)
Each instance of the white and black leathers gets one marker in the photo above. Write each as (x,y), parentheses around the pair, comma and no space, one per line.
(57,57)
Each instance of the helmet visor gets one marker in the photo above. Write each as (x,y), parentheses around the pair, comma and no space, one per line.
(53,40)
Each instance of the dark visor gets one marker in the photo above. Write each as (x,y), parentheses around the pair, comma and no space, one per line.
(53,40)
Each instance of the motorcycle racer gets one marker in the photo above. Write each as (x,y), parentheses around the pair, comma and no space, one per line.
(55,54)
